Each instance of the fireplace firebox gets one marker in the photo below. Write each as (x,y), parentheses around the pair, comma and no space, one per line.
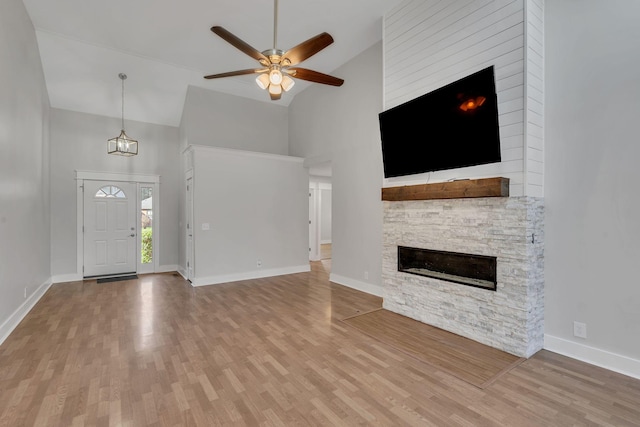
(467,269)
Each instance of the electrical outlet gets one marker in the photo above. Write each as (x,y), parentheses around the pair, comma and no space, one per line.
(25,292)
(366,275)
(259,263)
(580,330)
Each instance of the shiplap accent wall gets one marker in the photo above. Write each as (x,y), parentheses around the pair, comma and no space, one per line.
(430,43)
(534,113)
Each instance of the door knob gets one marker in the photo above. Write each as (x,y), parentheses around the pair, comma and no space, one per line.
(133,235)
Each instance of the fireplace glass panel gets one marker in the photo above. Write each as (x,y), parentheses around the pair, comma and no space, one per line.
(467,269)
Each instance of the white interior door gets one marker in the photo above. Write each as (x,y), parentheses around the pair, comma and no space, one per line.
(110,224)
(189,215)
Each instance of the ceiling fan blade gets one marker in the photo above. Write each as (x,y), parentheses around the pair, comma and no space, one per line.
(307,48)
(237,73)
(243,46)
(314,76)
(275,97)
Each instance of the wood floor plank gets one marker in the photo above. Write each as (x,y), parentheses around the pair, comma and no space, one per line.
(471,361)
(267,352)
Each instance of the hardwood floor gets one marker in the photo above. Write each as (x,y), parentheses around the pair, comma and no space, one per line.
(475,363)
(325,251)
(266,352)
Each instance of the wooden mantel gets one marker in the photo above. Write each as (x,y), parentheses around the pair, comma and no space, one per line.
(459,189)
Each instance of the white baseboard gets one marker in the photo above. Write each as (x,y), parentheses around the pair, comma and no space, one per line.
(14,320)
(594,356)
(356,284)
(257,274)
(181,271)
(60,278)
(166,268)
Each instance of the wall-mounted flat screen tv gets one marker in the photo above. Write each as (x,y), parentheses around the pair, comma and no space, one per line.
(451,127)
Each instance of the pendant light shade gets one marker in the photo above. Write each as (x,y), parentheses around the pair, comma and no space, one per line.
(122,144)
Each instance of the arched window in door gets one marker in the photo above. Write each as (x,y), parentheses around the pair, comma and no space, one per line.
(110,191)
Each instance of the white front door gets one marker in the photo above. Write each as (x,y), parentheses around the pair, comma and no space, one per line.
(109,228)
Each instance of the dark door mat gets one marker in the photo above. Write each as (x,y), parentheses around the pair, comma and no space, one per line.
(117,279)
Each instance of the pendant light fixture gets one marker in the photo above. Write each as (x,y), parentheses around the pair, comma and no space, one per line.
(122,145)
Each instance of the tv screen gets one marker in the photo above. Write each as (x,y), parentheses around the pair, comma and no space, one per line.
(452,127)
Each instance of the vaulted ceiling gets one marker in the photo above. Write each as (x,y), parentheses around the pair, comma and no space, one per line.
(166,45)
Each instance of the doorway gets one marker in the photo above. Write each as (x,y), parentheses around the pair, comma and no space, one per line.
(320,211)
(116,215)
(325,220)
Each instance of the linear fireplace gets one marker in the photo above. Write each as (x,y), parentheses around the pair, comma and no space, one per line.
(466,269)
(464,217)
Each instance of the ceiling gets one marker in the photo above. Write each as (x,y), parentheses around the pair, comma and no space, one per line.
(166,45)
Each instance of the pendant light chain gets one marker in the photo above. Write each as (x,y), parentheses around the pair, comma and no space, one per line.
(122,77)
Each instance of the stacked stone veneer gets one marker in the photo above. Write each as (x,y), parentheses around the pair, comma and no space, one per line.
(509,228)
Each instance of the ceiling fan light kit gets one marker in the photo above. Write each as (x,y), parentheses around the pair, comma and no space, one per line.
(122,144)
(275,76)
(263,81)
(275,90)
(287,83)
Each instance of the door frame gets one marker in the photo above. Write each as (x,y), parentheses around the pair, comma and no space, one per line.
(190,253)
(315,216)
(138,179)
(314,229)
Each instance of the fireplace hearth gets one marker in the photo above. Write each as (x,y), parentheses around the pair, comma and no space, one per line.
(467,269)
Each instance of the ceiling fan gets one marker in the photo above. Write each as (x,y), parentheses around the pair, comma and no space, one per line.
(278,65)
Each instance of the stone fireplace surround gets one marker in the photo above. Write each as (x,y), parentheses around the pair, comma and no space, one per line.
(509,228)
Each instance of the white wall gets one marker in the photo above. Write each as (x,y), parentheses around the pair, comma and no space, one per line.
(80,143)
(220,120)
(591,180)
(428,44)
(24,168)
(248,207)
(216,119)
(340,124)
